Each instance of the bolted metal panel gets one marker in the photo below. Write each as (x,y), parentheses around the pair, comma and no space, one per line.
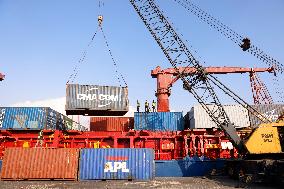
(111,163)
(271,111)
(198,118)
(96,100)
(35,118)
(40,163)
(159,121)
(187,167)
(111,123)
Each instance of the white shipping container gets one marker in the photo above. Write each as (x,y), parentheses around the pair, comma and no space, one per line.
(198,118)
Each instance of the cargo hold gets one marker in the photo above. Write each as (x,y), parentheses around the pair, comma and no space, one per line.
(119,163)
(159,121)
(95,100)
(40,164)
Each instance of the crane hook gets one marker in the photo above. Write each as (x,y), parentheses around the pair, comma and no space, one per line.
(100,20)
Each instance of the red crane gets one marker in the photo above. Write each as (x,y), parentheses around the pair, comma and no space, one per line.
(167,77)
(2,76)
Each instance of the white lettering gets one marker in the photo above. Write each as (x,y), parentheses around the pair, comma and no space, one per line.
(227,145)
(113,167)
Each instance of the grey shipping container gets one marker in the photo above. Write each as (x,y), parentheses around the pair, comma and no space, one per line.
(198,118)
(159,121)
(37,118)
(96,100)
(270,111)
(117,163)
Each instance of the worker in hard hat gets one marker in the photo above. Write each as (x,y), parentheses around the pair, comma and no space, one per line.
(138,106)
(154,106)
(146,106)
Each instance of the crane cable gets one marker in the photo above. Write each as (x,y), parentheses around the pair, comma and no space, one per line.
(232,35)
(84,54)
(81,60)
(118,74)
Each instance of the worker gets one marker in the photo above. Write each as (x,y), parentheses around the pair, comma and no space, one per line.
(146,106)
(154,106)
(138,106)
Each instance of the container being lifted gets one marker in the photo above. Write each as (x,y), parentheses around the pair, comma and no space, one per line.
(95,100)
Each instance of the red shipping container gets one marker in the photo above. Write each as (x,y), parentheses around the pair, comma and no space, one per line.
(40,164)
(111,123)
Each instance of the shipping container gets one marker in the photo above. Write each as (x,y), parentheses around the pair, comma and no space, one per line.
(0,166)
(95,100)
(198,118)
(270,111)
(111,163)
(40,164)
(111,123)
(38,118)
(188,167)
(159,121)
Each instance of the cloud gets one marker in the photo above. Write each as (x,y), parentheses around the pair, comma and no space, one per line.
(57,104)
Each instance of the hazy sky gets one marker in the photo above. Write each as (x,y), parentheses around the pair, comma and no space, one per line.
(41,42)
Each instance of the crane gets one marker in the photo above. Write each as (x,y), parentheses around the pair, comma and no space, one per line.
(265,145)
(167,77)
(2,77)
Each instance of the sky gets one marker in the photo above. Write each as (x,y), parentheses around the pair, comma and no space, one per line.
(42,41)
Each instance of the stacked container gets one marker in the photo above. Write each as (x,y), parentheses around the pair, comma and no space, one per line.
(198,118)
(270,111)
(37,118)
(111,123)
(159,121)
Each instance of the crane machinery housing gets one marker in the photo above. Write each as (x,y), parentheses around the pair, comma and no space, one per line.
(262,151)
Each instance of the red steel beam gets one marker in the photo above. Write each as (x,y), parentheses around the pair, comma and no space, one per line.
(211,70)
(166,78)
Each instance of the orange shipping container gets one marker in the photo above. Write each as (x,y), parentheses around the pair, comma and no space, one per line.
(40,164)
(111,123)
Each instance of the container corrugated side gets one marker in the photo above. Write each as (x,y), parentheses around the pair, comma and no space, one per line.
(159,121)
(122,163)
(24,117)
(197,117)
(96,100)
(111,123)
(35,118)
(0,166)
(270,111)
(40,164)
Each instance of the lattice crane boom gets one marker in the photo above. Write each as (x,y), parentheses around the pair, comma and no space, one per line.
(199,85)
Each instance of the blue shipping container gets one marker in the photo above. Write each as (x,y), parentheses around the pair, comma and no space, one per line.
(37,118)
(117,163)
(187,167)
(159,121)
(0,166)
